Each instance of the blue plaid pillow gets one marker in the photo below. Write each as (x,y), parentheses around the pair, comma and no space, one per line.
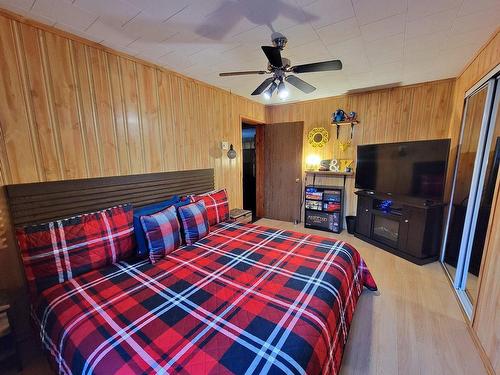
(163,233)
(194,220)
(140,236)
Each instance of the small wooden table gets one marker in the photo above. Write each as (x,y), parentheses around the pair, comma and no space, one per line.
(240,215)
(8,347)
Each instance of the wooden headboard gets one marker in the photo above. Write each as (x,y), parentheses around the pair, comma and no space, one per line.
(46,201)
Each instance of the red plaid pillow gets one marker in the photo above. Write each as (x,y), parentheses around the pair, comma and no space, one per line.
(216,204)
(60,250)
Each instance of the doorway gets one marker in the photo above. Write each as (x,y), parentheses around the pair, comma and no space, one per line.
(475,177)
(248,133)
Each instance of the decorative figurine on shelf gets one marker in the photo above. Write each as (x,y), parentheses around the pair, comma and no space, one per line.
(324,165)
(344,145)
(334,165)
(346,165)
(338,116)
(351,116)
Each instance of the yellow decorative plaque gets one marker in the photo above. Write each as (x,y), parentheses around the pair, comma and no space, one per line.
(318,137)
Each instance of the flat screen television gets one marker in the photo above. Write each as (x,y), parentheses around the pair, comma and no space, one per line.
(415,169)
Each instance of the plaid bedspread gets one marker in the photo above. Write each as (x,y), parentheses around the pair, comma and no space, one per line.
(246,299)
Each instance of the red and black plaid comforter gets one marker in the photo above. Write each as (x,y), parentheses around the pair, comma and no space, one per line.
(245,299)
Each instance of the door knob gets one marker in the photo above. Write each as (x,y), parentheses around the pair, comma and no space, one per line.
(406,220)
(297,180)
(366,209)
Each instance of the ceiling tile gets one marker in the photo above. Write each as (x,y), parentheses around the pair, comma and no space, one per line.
(485,19)
(421,8)
(64,13)
(310,52)
(111,12)
(429,43)
(277,15)
(386,27)
(459,39)
(112,35)
(473,6)
(299,35)
(368,11)
(436,22)
(329,11)
(352,54)
(385,50)
(20,6)
(340,31)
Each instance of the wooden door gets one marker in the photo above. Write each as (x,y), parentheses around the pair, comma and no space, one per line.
(283,170)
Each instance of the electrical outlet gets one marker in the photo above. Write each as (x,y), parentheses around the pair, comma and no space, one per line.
(225,145)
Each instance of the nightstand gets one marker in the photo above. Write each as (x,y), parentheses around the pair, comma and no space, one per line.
(9,357)
(241,216)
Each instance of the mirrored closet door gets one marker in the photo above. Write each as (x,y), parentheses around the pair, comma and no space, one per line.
(474,183)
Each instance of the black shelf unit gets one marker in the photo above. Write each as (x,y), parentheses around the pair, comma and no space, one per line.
(324,208)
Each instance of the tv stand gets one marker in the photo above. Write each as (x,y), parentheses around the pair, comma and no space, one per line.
(407,227)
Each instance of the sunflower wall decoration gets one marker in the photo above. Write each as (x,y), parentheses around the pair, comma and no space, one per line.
(318,137)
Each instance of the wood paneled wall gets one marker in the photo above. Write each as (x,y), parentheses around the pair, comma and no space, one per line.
(70,108)
(486,313)
(404,113)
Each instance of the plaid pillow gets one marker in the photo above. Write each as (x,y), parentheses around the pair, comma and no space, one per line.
(216,204)
(194,221)
(163,233)
(140,236)
(60,250)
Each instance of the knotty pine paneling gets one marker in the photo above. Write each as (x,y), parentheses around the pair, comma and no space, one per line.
(70,108)
(404,113)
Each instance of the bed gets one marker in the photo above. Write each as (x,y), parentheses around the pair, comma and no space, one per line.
(245,299)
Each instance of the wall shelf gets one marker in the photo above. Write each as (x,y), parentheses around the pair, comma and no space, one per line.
(344,123)
(344,175)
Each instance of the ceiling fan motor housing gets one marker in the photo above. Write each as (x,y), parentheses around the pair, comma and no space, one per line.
(285,66)
(280,41)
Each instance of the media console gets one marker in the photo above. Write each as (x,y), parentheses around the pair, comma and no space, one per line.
(407,227)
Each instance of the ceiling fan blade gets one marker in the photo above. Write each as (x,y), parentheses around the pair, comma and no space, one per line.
(317,67)
(300,84)
(273,54)
(263,86)
(242,73)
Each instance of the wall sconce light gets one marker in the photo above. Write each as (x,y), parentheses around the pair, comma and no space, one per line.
(231,154)
(312,162)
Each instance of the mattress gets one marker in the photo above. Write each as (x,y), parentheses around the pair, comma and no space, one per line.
(246,299)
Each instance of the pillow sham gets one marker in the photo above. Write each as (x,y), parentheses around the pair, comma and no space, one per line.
(57,251)
(140,236)
(194,221)
(163,233)
(216,204)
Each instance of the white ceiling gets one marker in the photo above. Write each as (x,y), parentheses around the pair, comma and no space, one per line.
(379,41)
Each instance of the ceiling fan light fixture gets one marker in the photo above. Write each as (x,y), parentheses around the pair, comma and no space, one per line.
(269,92)
(283,91)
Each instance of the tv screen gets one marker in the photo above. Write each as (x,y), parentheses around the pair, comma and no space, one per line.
(416,169)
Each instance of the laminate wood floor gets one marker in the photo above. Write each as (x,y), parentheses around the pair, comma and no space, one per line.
(413,325)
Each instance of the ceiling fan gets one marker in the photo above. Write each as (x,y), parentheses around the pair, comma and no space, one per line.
(280,68)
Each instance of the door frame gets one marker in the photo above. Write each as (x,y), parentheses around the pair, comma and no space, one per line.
(459,280)
(259,163)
